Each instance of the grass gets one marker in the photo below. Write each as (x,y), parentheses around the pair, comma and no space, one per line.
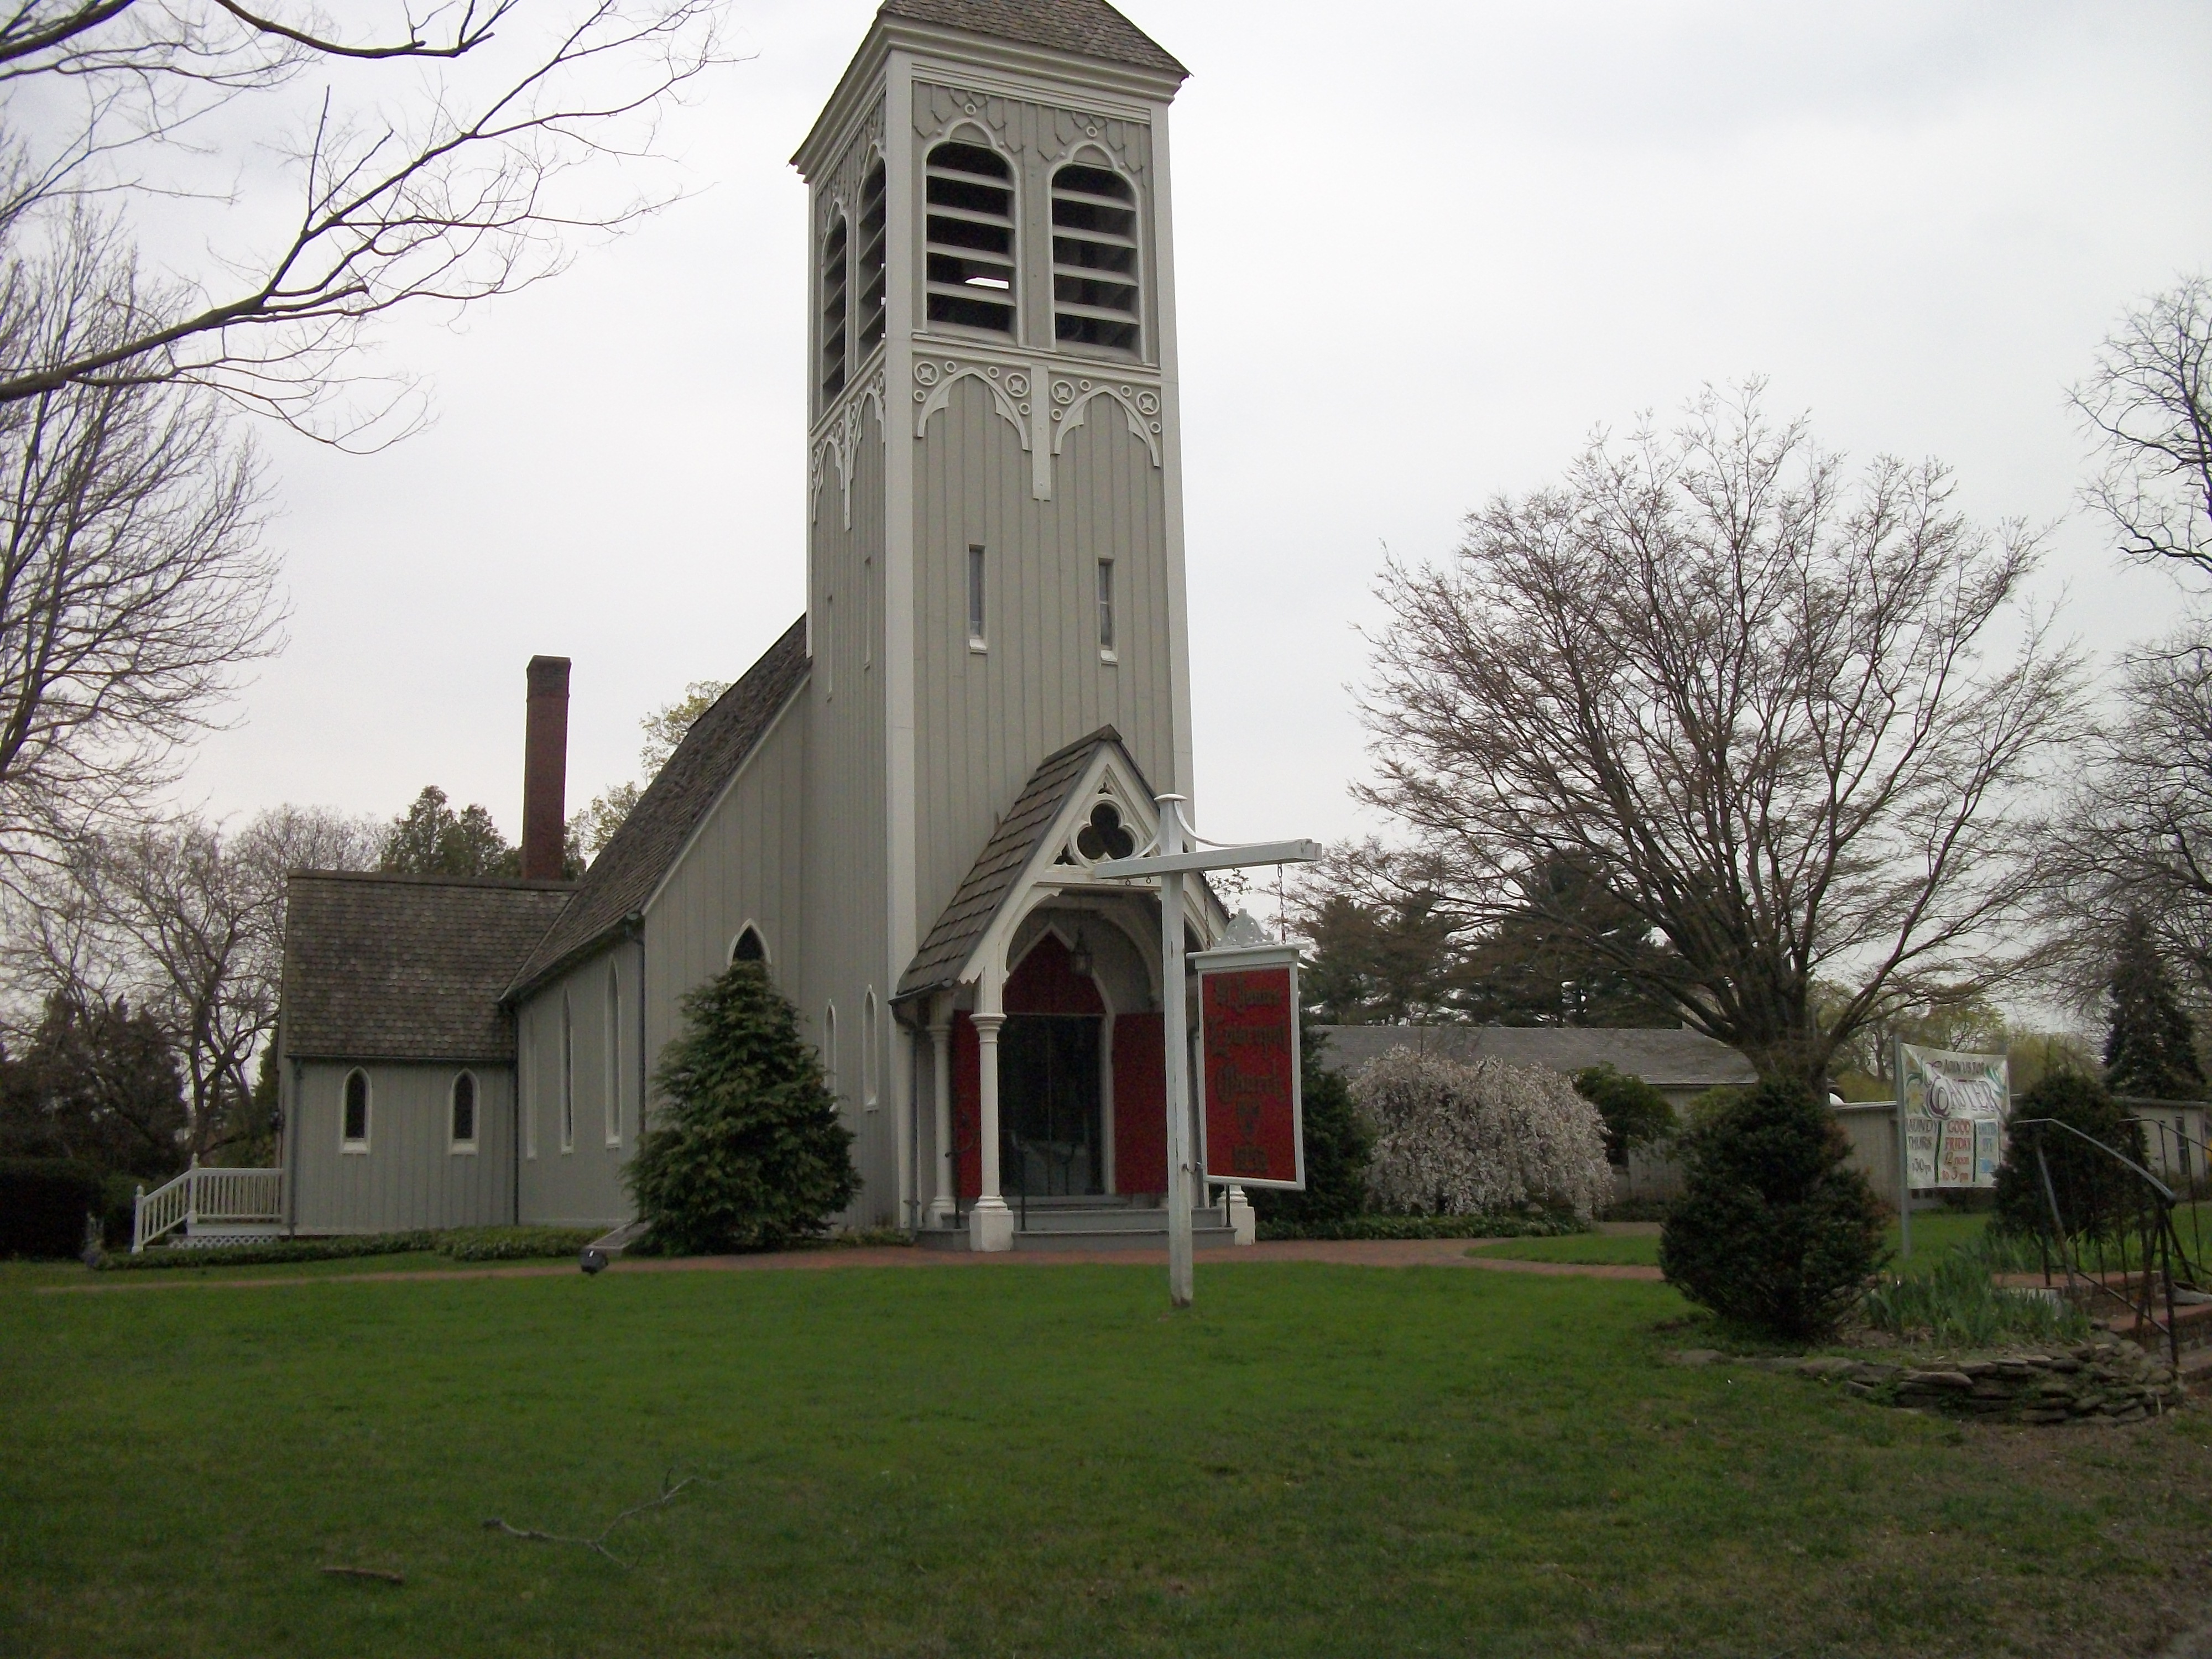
(1934,1233)
(1014,1460)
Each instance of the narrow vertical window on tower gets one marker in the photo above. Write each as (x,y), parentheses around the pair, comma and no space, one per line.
(1106,609)
(1094,258)
(834,279)
(873,269)
(975,617)
(969,231)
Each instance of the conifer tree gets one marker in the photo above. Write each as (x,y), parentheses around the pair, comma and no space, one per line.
(2150,1049)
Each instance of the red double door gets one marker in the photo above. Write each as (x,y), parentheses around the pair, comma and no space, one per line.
(1056,1022)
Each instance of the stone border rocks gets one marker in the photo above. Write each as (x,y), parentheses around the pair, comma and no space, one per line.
(2109,1380)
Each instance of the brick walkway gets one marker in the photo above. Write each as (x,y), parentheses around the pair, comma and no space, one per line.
(1364,1253)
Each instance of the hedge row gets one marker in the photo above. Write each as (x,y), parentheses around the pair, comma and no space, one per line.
(1549,1225)
(459,1243)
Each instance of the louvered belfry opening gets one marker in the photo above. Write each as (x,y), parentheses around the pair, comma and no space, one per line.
(833,292)
(1094,258)
(970,234)
(872,269)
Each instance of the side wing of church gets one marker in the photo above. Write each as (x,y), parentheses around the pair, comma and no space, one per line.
(897,806)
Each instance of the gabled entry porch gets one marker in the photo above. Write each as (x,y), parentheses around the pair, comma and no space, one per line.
(1042,1015)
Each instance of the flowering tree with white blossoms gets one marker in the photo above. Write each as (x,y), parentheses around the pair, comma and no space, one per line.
(1458,1139)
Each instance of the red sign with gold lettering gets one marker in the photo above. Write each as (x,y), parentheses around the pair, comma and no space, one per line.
(1248,1070)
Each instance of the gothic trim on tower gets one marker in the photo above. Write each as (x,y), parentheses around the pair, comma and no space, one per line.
(1011,386)
(1139,405)
(840,442)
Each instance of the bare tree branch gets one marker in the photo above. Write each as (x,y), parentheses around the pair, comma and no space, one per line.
(670,1487)
(2149,402)
(1747,694)
(475,190)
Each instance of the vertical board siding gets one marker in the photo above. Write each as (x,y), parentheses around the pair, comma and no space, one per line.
(846,823)
(410,1177)
(985,721)
(582,1187)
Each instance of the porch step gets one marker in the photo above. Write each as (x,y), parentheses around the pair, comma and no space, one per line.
(1105,1225)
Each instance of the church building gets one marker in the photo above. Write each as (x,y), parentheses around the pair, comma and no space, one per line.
(898,807)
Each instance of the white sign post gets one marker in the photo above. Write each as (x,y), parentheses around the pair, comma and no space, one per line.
(1170,862)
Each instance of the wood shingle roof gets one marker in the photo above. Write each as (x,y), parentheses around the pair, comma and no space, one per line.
(406,968)
(999,865)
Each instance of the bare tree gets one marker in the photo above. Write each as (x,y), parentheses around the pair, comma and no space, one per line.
(1751,696)
(187,923)
(2137,836)
(469,182)
(133,587)
(2149,402)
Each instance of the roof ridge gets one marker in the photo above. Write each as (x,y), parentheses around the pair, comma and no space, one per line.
(430,878)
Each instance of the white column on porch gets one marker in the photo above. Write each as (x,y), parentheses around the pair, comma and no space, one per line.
(990,1224)
(941,1203)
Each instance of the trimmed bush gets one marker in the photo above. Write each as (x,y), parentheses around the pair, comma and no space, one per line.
(44,1204)
(268,1252)
(748,1154)
(2096,1195)
(1487,1139)
(1774,1229)
(514,1244)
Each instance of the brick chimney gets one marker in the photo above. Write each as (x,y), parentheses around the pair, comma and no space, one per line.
(545,769)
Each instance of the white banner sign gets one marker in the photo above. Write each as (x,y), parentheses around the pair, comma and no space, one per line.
(1953,1108)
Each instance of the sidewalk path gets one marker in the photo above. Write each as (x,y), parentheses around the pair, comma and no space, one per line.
(1363,1253)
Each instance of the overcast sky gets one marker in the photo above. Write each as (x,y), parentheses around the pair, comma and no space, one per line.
(1422,252)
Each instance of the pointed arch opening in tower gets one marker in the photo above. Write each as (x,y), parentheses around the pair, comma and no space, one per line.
(873,269)
(969,231)
(833,300)
(1095,294)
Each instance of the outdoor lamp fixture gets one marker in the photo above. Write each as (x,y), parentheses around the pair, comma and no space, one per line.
(1079,957)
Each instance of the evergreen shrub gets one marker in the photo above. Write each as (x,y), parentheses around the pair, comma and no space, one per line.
(2096,1195)
(748,1153)
(1531,1223)
(1340,1146)
(44,1202)
(1774,1229)
(1635,1114)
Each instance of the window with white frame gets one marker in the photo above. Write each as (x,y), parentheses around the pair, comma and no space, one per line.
(1106,608)
(525,1085)
(969,236)
(748,947)
(874,223)
(461,1113)
(825,649)
(829,1049)
(567,1074)
(835,279)
(1094,258)
(868,614)
(614,1057)
(975,614)
(869,1038)
(353,1112)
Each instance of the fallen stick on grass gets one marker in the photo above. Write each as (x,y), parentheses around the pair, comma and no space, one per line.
(377,1573)
(668,1488)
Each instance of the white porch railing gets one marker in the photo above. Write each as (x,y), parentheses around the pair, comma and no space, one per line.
(212,1198)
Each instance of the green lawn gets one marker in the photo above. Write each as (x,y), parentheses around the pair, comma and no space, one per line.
(1024,1461)
(1933,1233)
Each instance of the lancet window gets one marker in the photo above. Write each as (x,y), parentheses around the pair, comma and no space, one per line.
(970,233)
(1094,258)
(873,224)
(834,280)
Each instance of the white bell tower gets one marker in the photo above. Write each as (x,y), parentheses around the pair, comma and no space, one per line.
(994,549)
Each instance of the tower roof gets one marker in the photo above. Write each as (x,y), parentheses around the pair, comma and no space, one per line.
(1089,28)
